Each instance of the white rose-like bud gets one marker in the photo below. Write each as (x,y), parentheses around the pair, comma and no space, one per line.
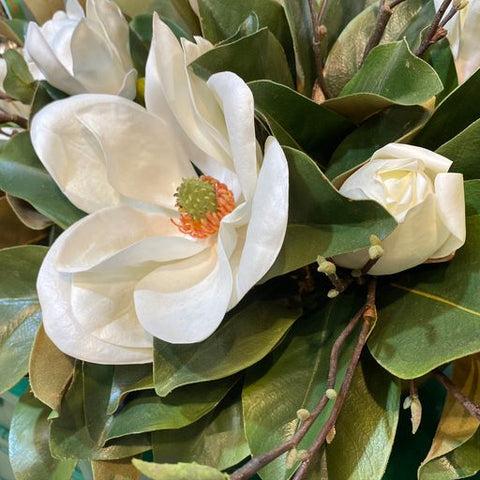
(428,203)
(80,53)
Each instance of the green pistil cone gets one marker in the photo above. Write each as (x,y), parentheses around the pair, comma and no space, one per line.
(197,197)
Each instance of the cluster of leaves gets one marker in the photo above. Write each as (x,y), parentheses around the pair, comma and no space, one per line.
(203,409)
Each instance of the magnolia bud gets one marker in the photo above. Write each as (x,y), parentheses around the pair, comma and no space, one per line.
(303,414)
(375,252)
(332,293)
(326,267)
(331,393)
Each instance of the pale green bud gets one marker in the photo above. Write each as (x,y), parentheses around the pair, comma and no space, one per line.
(326,267)
(303,414)
(333,293)
(375,252)
(331,393)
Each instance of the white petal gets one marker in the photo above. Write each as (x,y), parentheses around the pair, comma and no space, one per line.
(85,142)
(94,64)
(122,236)
(434,163)
(114,27)
(54,291)
(268,222)
(237,102)
(451,206)
(168,93)
(185,301)
(74,9)
(410,244)
(44,57)
(467,60)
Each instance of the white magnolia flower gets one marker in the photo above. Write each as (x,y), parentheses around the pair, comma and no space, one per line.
(80,53)
(428,203)
(464,37)
(126,272)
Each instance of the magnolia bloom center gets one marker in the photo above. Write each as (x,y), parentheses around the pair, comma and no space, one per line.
(202,203)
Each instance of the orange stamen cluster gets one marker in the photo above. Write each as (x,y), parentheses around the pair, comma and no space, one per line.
(210,223)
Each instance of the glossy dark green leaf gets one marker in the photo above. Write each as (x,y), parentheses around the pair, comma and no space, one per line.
(463,151)
(127,379)
(440,57)
(217,439)
(237,57)
(345,57)
(220,19)
(366,427)
(23,175)
(456,426)
(18,82)
(301,28)
(80,429)
(314,128)
(409,450)
(29,451)
(148,412)
(432,309)
(394,72)
(294,377)
(181,471)
(248,335)
(386,126)
(249,26)
(19,310)
(460,109)
(321,220)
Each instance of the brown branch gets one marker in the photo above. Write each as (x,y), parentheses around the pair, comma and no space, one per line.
(384,13)
(451,13)
(257,463)
(368,316)
(472,408)
(319,32)
(12,118)
(436,32)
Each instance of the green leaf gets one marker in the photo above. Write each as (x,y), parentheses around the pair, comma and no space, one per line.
(115,470)
(394,72)
(463,151)
(18,82)
(50,370)
(30,456)
(295,377)
(432,309)
(19,310)
(80,429)
(345,57)
(176,12)
(462,462)
(249,26)
(456,426)
(148,412)
(366,427)
(217,439)
(460,109)
(321,220)
(237,57)
(220,19)
(387,126)
(128,379)
(14,30)
(301,28)
(314,128)
(408,449)
(181,471)
(22,175)
(472,197)
(249,333)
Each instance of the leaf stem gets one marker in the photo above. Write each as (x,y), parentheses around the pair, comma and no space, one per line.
(367,313)
(436,31)
(6,117)
(472,408)
(319,32)
(368,316)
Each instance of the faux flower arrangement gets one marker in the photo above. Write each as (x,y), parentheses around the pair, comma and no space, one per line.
(237,235)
